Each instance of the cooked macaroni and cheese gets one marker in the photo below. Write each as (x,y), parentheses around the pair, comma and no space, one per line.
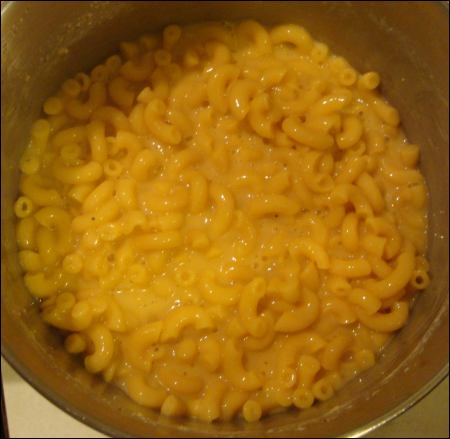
(223,220)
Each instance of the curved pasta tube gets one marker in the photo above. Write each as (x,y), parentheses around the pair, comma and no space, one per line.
(113,316)
(351,170)
(209,354)
(358,267)
(368,185)
(322,390)
(333,213)
(352,131)
(335,349)
(217,86)
(232,402)
(208,408)
(224,212)
(349,232)
(141,392)
(112,116)
(70,135)
(181,121)
(379,266)
(310,249)
(250,29)
(302,191)
(303,66)
(328,124)
(217,294)
(410,155)
(390,322)
(88,173)
(46,246)
(73,317)
(290,33)
(338,286)
(259,343)
(397,280)
(300,106)
(297,131)
(41,286)
(83,111)
(220,54)
(169,221)
(160,241)
(154,120)
(120,92)
(302,398)
(98,196)
(276,204)
(331,103)
(32,261)
(292,347)
(234,272)
(301,317)
(252,411)
(252,293)
(317,226)
(170,199)
(181,160)
(374,245)
(173,407)
(420,279)
(272,77)
(143,164)
(347,192)
(104,347)
(56,218)
(40,133)
(160,87)
(399,176)
(96,136)
(366,300)
(32,186)
(240,95)
(183,316)
(288,288)
(412,199)
(385,112)
(126,194)
(250,179)
(340,309)
(81,191)
(246,243)
(235,372)
(383,228)
(131,143)
(105,213)
(318,182)
(307,367)
(180,381)
(198,189)
(137,70)
(280,182)
(263,116)
(309,276)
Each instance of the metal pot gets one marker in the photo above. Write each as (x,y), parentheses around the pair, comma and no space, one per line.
(43,43)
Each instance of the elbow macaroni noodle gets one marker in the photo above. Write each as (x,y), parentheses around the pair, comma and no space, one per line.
(226,219)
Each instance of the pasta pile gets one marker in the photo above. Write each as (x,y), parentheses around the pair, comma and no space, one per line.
(224,220)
